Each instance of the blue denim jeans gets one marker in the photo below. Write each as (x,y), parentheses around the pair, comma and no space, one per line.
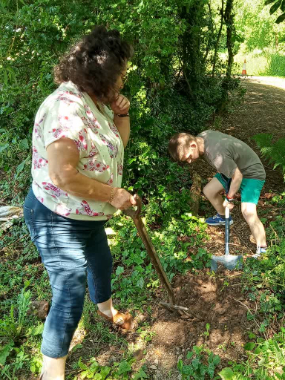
(71,251)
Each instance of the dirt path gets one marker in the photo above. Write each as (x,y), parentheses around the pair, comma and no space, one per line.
(220,301)
(263,111)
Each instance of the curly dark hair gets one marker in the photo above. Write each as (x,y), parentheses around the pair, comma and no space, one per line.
(95,63)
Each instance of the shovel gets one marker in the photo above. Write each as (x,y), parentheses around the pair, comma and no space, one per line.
(229,261)
(171,305)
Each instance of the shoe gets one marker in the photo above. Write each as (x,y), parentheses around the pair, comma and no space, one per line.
(217,220)
(259,251)
(124,321)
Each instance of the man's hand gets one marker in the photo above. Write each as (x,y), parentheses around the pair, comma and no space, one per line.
(121,105)
(228,204)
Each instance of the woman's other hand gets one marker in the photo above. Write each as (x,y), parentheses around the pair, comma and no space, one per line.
(121,105)
(123,199)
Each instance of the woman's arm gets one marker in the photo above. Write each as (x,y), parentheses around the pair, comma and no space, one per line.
(123,126)
(63,157)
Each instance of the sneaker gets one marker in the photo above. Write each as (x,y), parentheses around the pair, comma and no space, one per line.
(259,251)
(217,220)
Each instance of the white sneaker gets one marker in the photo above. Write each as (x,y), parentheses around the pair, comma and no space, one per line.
(259,251)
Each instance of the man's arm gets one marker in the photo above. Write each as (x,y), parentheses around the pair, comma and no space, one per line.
(235,183)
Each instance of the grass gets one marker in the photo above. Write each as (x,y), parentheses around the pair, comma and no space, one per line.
(263,64)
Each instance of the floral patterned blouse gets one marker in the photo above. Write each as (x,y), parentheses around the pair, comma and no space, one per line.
(67,112)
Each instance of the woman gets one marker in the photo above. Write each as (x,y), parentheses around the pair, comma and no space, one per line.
(78,152)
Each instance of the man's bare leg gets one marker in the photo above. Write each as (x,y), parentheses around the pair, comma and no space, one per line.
(257,229)
(212,193)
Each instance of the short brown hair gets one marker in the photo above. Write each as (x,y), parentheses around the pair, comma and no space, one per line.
(177,142)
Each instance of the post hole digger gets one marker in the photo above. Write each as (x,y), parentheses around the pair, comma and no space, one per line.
(229,261)
(171,305)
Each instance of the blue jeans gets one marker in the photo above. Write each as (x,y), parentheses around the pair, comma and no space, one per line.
(71,251)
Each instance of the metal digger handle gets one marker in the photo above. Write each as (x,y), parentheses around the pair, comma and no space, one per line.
(227,230)
(227,212)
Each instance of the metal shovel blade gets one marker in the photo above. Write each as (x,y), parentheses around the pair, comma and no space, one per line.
(231,262)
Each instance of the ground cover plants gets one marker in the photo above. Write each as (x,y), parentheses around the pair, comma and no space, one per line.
(181,241)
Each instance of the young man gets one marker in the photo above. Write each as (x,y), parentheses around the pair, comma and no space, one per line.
(238,167)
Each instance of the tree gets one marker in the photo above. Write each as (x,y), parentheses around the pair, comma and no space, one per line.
(174,79)
(275,5)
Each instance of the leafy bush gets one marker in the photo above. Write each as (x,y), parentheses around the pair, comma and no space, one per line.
(265,360)
(274,152)
(169,81)
(177,237)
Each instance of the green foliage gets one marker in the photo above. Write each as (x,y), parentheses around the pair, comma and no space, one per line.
(118,371)
(264,278)
(169,83)
(201,364)
(177,236)
(264,63)
(274,6)
(265,360)
(257,29)
(12,329)
(274,152)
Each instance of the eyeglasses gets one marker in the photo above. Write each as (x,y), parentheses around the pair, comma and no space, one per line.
(124,77)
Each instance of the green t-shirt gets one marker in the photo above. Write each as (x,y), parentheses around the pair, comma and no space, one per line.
(226,153)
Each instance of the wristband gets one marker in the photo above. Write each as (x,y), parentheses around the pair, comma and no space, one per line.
(230,200)
(123,115)
(112,195)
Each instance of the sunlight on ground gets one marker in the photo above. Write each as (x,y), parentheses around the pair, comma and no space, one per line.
(269,81)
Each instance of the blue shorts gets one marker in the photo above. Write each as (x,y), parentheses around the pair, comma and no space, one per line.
(72,252)
(250,188)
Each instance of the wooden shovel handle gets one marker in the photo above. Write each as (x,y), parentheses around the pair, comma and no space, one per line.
(135,213)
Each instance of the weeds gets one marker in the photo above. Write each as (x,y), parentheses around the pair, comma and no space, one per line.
(200,364)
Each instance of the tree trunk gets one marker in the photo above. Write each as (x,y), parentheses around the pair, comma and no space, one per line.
(218,38)
(229,20)
(192,58)
(195,193)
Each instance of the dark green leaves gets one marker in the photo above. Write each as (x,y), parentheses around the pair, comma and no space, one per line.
(275,6)
(269,2)
(280,18)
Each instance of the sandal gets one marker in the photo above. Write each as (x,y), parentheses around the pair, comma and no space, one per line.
(121,320)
